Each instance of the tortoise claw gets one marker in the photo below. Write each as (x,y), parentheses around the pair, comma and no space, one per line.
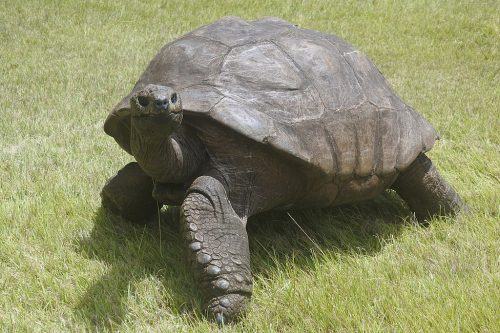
(219,317)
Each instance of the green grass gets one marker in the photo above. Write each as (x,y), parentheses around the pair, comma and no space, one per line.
(65,267)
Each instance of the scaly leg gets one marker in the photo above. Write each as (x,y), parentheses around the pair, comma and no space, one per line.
(128,194)
(218,248)
(426,192)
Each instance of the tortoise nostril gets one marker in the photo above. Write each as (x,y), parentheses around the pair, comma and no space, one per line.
(162,103)
(173,98)
(143,101)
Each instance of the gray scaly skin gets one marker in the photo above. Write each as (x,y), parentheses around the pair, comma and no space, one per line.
(218,247)
(426,192)
(128,194)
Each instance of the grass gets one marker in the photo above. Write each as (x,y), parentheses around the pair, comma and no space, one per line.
(65,267)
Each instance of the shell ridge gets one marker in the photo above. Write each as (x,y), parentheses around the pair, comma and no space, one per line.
(256,43)
(348,64)
(398,146)
(307,79)
(209,112)
(356,141)
(224,61)
(202,85)
(332,146)
(406,122)
(378,161)
(417,124)
(193,35)
(379,145)
(379,148)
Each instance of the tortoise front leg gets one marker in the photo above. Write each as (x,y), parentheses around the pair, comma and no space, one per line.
(217,248)
(128,194)
(426,192)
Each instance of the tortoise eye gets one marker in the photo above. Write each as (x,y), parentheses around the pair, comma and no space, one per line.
(173,98)
(143,101)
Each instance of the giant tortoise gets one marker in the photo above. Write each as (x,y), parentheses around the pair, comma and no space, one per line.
(238,118)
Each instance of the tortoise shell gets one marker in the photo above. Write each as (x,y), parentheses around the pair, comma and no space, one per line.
(304,93)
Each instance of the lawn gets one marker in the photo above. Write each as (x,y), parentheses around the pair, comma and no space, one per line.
(366,267)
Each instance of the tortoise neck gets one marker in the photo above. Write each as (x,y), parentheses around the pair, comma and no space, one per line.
(168,158)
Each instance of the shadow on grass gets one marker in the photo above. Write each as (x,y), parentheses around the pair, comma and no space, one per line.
(362,228)
(134,253)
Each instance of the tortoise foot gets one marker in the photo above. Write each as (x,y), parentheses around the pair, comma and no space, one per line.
(227,308)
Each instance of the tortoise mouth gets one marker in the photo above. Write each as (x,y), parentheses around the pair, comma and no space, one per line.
(152,115)
(154,123)
(159,118)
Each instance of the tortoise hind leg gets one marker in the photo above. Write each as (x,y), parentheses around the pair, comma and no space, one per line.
(426,192)
(128,194)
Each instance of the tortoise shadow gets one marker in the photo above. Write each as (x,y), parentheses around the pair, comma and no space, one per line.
(155,251)
(361,228)
(130,254)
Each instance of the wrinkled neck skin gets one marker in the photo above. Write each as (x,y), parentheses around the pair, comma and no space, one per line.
(165,155)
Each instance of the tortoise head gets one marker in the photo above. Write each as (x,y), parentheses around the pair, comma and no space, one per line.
(156,108)
(156,114)
(153,108)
